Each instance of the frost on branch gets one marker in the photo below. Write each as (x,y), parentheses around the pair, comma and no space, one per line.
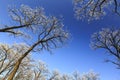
(108,39)
(95,9)
(33,23)
(9,56)
(27,16)
(90,76)
(45,32)
(30,70)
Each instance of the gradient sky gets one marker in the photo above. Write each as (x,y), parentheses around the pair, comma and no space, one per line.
(77,54)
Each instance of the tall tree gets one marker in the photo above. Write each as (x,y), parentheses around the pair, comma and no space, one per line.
(9,55)
(108,39)
(46,32)
(95,9)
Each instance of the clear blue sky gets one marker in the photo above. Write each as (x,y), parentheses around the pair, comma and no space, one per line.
(77,54)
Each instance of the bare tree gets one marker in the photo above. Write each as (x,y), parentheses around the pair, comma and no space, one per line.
(108,39)
(29,70)
(94,9)
(56,75)
(46,32)
(40,71)
(90,76)
(76,75)
(9,55)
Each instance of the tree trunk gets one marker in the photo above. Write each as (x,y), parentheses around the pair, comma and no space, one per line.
(17,64)
(12,74)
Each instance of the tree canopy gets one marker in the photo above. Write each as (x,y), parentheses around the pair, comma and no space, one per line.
(95,9)
(48,31)
(108,39)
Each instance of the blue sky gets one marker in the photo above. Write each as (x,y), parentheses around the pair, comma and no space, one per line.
(77,54)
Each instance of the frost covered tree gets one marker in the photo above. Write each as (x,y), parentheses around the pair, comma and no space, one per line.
(109,40)
(44,32)
(8,57)
(95,9)
(90,76)
(40,71)
(29,69)
(56,75)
